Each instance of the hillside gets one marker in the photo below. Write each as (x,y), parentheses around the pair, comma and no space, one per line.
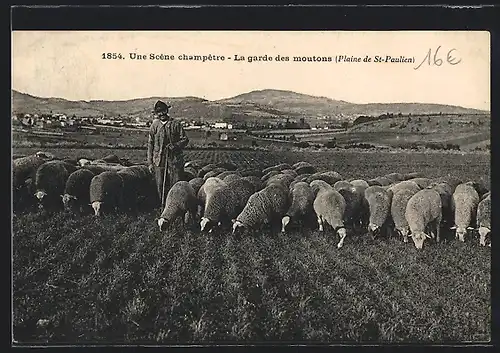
(263,104)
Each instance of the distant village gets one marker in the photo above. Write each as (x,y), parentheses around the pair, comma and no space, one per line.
(58,120)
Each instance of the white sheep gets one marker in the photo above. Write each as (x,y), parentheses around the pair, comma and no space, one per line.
(395,177)
(398,209)
(407,185)
(83,162)
(226,202)
(423,214)
(422,182)
(464,203)
(265,207)
(206,191)
(484,219)
(342,184)
(329,205)
(361,183)
(180,202)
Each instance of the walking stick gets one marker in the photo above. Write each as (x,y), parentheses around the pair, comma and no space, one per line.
(165,175)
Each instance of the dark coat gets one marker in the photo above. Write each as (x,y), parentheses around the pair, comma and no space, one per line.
(160,136)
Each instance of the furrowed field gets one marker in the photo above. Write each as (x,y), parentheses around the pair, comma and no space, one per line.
(118,279)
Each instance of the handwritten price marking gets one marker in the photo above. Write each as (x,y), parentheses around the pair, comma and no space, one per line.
(438,61)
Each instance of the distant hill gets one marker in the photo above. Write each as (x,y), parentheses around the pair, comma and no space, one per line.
(261,104)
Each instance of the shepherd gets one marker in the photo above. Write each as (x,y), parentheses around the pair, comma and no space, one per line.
(166,142)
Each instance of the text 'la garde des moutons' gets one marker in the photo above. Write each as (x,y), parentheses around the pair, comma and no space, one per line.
(263,58)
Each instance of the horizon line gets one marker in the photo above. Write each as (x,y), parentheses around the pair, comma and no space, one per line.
(239,94)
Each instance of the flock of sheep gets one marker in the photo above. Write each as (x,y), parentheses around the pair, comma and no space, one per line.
(223,195)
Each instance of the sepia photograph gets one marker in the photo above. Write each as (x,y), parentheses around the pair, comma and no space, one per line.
(204,187)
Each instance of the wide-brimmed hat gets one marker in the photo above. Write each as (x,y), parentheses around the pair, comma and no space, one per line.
(161,107)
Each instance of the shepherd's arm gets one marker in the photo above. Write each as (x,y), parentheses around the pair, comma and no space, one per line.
(183,139)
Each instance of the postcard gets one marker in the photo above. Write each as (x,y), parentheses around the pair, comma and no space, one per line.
(206,187)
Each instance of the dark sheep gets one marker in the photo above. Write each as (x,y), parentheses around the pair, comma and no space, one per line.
(76,193)
(249,172)
(71,161)
(379,202)
(50,182)
(26,167)
(302,177)
(23,180)
(196,183)
(190,173)
(196,164)
(479,187)
(277,167)
(452,181)
(413,175)
(112,158)
(301,208)
(205,169)
(373,182)
(290,171)
(269,174)
(286,179)
(224,174)
(232,177)
(304,168)
(137,187)
(353,214)
(227,165)
(106,193)
(422,182)
(213,173)
(331,177)
(383,181)
(96,169)
(256,182)
(394,177)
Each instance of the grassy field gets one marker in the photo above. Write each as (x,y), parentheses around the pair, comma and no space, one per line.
(118,279)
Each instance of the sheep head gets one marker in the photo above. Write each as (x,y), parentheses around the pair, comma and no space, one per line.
(284,222)
(483,234)
(419,238)
(96,205)
(461,232)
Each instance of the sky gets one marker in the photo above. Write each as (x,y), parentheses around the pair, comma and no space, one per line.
(69,64)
